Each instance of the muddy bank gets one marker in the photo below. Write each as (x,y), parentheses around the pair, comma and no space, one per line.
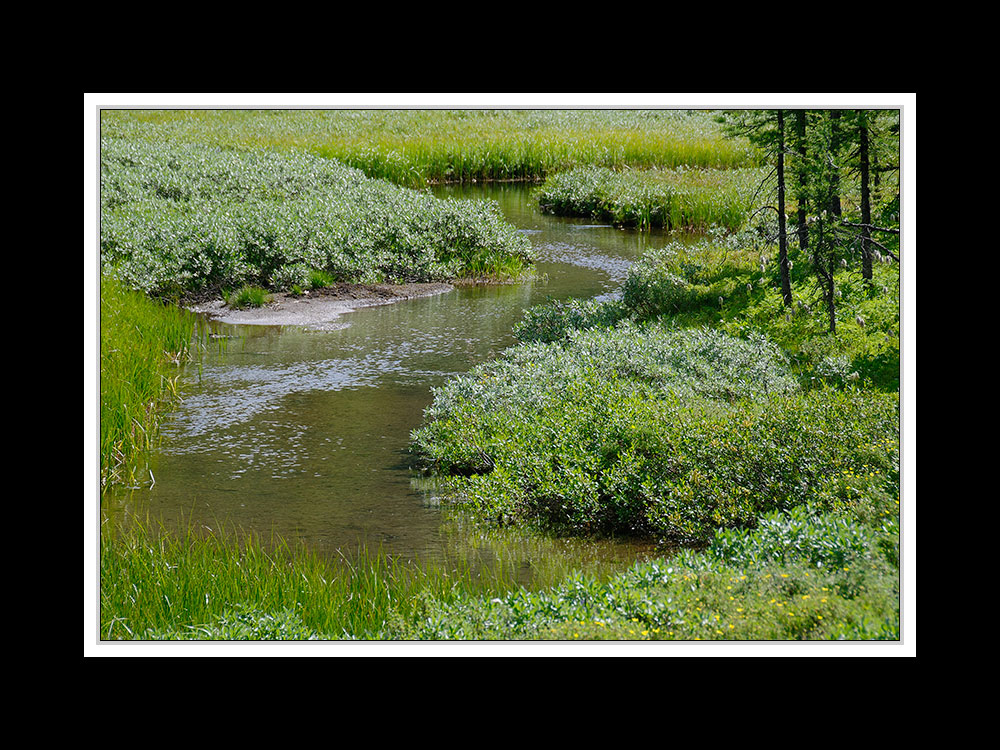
(318,308)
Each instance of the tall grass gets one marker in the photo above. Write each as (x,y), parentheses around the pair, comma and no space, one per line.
(142,341)
(230,584)
(417,147)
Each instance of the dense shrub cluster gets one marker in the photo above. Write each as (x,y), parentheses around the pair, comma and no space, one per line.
(802,533)
(692,596)
(682,198)
(666,432)
(180,218)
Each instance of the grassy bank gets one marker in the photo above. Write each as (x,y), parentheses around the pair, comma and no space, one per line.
(685,198)
(800,576)
(142,342)
(417,147)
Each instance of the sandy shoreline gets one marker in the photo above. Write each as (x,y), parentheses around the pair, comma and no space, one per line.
(319,308)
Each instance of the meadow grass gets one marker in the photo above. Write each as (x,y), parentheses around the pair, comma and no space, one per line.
(225,583)
(142,341)
(793,579)
(416,147)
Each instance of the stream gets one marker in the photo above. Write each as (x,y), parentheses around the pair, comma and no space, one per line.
(304,433)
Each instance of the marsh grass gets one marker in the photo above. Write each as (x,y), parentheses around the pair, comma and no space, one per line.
(142,344)
(319,279)
(247,296)
(162,585)
(220,582)
(418,147)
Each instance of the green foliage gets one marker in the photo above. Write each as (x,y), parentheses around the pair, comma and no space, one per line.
(670,433)
(724,282)
(692,596)
(319,279)
(242,624)
(798,534)
(220,587)
(233,585)
(184,218)
(682,198)
(554,320)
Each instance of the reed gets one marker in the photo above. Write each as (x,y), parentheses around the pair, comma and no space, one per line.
(158,584)
(142,344)
(418,147)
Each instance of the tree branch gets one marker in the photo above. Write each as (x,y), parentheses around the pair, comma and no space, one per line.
(870,226)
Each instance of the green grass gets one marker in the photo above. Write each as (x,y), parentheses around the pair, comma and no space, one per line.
(142,342)
(224,583)
(246,296)
(793,579)
(319,279)
(417,147)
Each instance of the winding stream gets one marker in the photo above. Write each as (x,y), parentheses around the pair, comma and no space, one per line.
(304,432)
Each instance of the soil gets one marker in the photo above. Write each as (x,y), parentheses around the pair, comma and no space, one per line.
(318,308)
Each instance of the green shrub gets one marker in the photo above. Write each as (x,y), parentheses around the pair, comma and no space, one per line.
(672,199)
(651,289)
(291,276)
(184,218)
(689,597)
(798,534)
(554,320)
(672,433)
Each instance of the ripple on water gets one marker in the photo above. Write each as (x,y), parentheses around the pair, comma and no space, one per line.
(236,394)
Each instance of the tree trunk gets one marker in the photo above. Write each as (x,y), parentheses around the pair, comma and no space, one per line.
(834,207)
(831,294)
(786,283)
(800,134)
(866,204)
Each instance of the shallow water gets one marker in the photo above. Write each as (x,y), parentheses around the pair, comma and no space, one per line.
(304,432)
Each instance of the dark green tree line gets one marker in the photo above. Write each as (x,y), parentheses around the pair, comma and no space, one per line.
(841,169)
